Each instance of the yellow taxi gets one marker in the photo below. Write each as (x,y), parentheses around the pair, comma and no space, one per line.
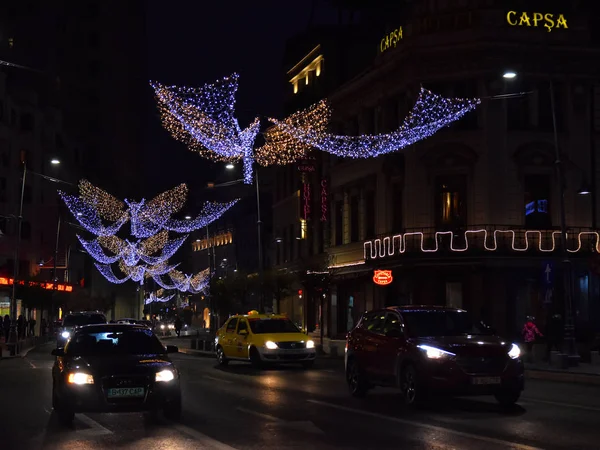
(263,338)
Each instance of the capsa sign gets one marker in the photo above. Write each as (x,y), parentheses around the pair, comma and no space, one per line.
(390,40)
(383,277)
(536,19)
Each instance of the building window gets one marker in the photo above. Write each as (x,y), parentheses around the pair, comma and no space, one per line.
(339,222)
(544,106)
(454,295)
(27,122)
(396,207)
(370,212)
(354,219)
(537,201)
(3,190)
(25,230)
(518,109)
(451,201)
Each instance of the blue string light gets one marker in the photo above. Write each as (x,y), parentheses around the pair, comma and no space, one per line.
(430,113)
(88,216)
(153,297)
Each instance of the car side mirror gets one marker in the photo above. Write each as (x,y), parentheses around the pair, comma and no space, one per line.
(172,349)
(58,352)
(394,333)
(243,332)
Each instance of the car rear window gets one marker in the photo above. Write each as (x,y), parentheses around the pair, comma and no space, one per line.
(77,320)
(425,323)
(129,342)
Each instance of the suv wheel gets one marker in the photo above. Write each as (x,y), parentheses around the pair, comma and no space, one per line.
(409,385)
(507,397)
(357,382)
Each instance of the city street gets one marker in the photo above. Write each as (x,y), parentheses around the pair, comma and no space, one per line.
(242,408)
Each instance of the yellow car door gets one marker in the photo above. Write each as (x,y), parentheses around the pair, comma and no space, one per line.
(242,339)
(229,340)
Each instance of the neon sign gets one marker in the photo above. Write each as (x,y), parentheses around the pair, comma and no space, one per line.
(49,286)
(390,40)
(306,197)
(535,19)
(382,277)
(323,200)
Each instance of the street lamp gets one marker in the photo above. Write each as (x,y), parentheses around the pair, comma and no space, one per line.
(570,346)
(230,166)
(55,161)
(13,338)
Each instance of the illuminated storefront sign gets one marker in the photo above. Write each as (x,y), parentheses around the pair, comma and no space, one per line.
(323,200)
(536,19)
(390,40)
(383,277)
(306,198)
(59,287)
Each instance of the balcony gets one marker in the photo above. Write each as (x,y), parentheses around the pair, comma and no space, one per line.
(482,240)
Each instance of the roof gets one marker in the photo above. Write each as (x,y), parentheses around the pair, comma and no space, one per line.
(111,327)
(76,313)
(255,315)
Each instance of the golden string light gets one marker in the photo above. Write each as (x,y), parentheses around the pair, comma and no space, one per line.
(283,148)
(108,207)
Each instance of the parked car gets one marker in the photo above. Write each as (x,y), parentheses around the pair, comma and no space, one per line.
(425,349)
(76,319)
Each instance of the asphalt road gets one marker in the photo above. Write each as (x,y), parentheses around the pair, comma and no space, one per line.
(287,408)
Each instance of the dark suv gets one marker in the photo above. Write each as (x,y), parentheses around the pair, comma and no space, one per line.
(423,349)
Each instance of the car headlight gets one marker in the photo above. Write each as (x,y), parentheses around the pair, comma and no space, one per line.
(171,327)
(435,353)
(310,344)
(514,352)
(162,327)
(271,345)
(65,334)
(165,375)
(80,378)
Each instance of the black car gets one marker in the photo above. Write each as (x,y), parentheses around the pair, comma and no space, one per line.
(77,319)
(114,368)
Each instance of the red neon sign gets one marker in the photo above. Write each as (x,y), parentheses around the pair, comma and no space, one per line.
(323,200)
(306,196)
(383,277)
(49,286)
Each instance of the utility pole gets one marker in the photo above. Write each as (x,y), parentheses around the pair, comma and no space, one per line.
(54,277)
(261,280)
(13,337)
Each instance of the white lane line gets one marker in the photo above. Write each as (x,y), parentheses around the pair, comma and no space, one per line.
(31,364)
(95,428)
(438,429)
(564,405)
(206,441)
(208,377)
(257,414)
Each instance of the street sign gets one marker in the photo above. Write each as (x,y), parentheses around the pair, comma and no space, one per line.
(548,273)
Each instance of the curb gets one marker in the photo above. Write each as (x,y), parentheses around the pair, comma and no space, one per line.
(563,377)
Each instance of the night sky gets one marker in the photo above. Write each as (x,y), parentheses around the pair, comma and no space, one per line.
(196,42)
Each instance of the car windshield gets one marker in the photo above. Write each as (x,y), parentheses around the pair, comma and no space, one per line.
(440,323)
(263,326)
(128,342)
(77,320)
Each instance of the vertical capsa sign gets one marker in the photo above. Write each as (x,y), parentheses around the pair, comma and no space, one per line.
(536,19)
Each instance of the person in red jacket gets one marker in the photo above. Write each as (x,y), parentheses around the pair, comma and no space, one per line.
(530,332)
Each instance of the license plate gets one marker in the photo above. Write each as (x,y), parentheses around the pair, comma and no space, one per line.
(126,392)
(486,380)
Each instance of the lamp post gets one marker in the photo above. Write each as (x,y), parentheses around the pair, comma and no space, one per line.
(13,337)
(569,344)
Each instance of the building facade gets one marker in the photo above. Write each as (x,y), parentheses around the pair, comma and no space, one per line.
(471,216)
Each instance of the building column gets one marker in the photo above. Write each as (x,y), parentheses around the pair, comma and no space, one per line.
(333,311)
(346,219)
(362,215)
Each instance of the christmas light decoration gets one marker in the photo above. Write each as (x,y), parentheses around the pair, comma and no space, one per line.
(185,283)
(281,147)
(204,120)
(154,297)
(210,212)
(89,218)
(430,113)
(108,207)
(388,246)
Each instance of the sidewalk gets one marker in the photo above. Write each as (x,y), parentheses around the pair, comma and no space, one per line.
(23,346)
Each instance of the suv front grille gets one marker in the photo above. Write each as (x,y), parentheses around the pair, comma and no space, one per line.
(291,345)
(482,364)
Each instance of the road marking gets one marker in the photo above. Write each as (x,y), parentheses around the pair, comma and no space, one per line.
(565,405)
(305,426)
(435,428)
(208,377)
(209,442)
(32,364)
(95,428)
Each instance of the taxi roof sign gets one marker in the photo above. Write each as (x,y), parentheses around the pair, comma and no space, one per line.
(253,313)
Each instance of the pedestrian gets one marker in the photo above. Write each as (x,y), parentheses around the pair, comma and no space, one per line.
(43,326)
(530,332)
(6,327)
(178,326)
(21,327)
(32,327)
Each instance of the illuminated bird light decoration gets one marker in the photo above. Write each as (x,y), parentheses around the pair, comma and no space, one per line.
(204,120)
(154,297)
(185,283)
(147,254)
